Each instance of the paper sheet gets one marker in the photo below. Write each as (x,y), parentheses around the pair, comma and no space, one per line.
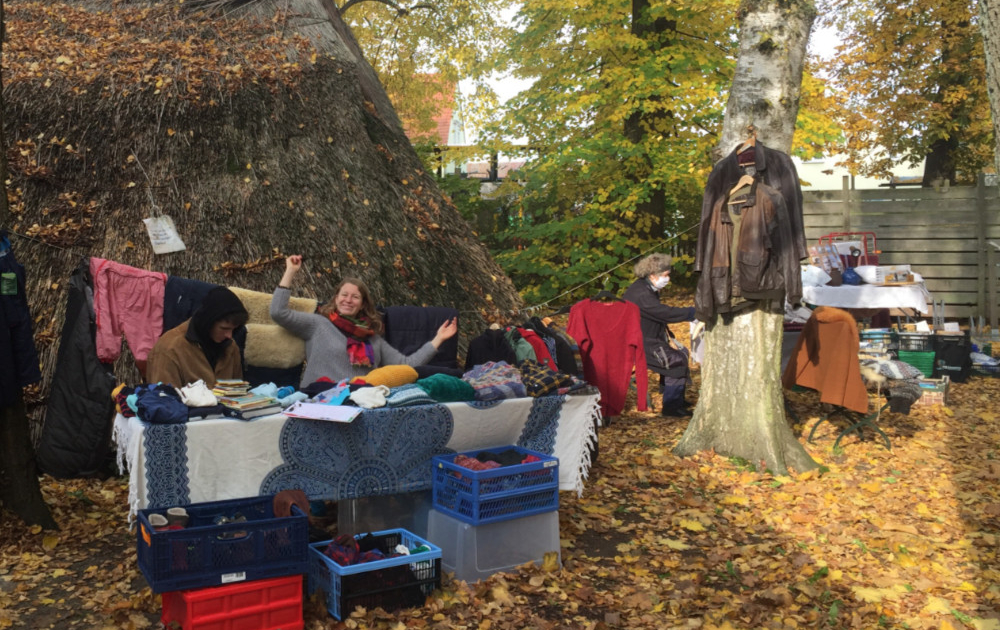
(320,411)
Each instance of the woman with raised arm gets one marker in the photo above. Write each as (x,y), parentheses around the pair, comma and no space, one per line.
(343,338)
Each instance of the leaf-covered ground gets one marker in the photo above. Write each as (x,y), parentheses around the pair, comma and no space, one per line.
(877,539)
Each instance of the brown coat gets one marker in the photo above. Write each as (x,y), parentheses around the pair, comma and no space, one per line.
(177,360)
(826,359)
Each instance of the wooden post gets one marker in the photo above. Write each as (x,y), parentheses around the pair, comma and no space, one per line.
(849,202)
(992,257)
(983,257)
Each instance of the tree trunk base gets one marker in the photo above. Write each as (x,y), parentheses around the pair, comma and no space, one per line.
(741,406)
(20,491)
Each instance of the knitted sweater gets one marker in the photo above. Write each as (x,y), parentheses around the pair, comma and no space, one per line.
(611,345)
(326,346)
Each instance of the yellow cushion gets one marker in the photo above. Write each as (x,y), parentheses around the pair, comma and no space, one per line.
(392,375)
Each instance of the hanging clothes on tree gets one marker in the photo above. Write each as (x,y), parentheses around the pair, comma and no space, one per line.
(18,357)
(76,435)
(127,301)
(611,347)
(751,238)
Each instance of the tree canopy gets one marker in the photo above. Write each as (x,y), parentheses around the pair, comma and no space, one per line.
(578,213)
(913,77)
(421,50)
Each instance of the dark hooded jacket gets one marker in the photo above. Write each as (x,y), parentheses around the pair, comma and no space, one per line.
(772,238)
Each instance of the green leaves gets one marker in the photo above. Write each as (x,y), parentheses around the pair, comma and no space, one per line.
(622,118)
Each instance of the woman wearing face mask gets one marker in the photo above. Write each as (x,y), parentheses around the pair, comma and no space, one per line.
(343,339)
(653,274)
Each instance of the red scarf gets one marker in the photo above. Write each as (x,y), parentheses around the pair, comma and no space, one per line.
(357,330)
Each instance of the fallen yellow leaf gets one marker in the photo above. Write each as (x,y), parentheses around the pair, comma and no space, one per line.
(936,605)
(550,561)
(694,526)
(676,545)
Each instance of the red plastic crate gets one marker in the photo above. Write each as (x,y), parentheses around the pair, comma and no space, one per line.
(273,604)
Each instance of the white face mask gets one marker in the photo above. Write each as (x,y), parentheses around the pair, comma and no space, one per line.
(661,282)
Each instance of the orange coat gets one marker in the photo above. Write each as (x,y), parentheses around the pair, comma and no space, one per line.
(826,359)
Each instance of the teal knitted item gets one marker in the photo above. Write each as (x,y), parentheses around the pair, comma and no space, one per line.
(407,395)
(444,388)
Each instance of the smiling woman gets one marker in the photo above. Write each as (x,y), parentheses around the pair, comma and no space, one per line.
(343,338)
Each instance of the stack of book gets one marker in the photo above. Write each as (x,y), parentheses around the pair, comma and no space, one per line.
(227,387)
(249,406)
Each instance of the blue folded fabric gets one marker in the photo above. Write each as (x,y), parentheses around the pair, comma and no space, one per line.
(160,404)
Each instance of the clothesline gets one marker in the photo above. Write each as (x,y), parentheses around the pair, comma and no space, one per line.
(604,274)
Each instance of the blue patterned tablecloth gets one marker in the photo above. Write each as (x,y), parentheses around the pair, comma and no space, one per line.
(383,451)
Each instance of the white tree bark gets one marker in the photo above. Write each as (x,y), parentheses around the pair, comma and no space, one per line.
(989,26)
(740,408)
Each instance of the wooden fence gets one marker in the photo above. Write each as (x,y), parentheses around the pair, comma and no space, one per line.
(944,234)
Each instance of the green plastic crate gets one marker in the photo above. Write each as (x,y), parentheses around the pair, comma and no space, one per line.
(923,361)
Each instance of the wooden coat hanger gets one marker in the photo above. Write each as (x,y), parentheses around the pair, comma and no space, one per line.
(746,180)
(751,140)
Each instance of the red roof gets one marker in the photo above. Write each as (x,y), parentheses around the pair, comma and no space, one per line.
(443,103)
(481,170)
(443,121)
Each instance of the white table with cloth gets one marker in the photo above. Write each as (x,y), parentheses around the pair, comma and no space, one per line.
(913,296)
(382,451)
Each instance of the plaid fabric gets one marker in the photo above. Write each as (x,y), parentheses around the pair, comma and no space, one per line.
(495,381)
(406,395)
(540,380)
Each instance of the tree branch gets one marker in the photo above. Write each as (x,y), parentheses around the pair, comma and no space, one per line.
(389,3)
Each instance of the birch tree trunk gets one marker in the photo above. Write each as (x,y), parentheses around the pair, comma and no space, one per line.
(740,408)
(989,26)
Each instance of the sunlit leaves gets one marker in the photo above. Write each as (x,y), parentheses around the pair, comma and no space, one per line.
(913,75)
(580,211)
(421,54)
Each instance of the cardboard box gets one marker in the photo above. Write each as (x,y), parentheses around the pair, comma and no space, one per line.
(935,392)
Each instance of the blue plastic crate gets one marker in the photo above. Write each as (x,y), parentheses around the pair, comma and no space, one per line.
(486,496)
(390,584)
(204,554)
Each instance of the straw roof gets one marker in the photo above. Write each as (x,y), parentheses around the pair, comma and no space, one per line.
(261,132)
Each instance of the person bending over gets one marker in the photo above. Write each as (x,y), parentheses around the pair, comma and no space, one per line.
(343,338)
(202,348)
(662,357)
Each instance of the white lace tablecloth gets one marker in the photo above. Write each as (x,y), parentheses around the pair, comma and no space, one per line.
(383,451)
(913,296)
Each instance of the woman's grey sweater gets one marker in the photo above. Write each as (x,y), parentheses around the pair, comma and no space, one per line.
(326,346)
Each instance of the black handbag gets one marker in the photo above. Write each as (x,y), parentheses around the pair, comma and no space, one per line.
(668,357)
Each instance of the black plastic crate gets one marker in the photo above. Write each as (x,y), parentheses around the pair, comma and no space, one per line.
(952,356)
(915,342)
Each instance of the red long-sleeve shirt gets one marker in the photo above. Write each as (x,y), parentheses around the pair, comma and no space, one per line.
(610,342)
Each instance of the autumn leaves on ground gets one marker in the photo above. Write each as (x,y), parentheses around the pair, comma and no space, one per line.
(874,539)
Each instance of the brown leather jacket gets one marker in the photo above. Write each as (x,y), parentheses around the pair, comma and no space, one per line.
(772,240)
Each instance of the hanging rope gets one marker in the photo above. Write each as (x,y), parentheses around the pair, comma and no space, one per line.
(604,274)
